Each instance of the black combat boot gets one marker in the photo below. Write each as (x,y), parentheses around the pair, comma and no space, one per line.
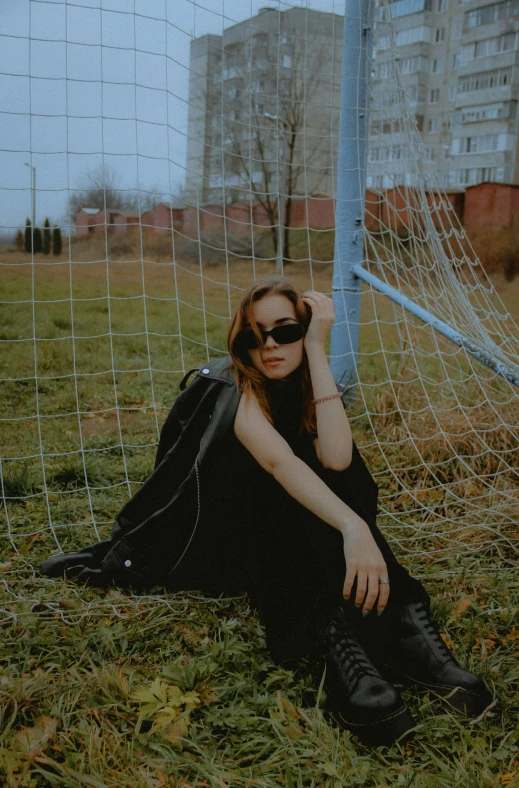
(408,648)
(358,696)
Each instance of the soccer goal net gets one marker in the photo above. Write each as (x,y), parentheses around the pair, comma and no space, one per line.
(180,151)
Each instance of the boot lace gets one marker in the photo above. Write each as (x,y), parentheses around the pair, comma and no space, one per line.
(348,652)
(431,628)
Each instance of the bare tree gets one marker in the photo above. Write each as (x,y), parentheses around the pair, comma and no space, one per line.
(273,119)
(100,188)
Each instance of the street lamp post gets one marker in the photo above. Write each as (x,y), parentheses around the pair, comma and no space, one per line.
(33,192)
(281,187)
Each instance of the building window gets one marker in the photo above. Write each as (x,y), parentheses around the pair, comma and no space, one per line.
(434,96)
(441,5)
(432,126)
(484,143)
(413,36)
(485,112)
(383,71)
(375,181)
(455,62)
(452,91)
(458,29)
(430,153)
(491,13)
(415,94)
(287,61)
(405,7)
(489,46)
(500,77)
(385,153)
(439,35)
(471,175)
(436,66)
(411,65)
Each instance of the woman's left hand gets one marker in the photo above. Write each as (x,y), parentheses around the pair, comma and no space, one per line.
(323,317)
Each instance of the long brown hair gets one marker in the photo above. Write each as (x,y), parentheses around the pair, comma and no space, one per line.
(247,376)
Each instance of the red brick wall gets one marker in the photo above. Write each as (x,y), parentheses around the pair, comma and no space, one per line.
(399,206)
(515,205)
(442,216)
(317,212)
(239,216)
(486,204)
(119,223)
(373,210)
(98,222)
(148,221)
(159,219)
(491,205)
(82,223)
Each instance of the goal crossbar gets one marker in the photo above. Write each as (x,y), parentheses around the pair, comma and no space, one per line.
(512,376)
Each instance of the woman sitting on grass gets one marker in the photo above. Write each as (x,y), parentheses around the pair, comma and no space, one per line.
(259,487)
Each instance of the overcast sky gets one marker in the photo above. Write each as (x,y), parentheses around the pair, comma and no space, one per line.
(88,82)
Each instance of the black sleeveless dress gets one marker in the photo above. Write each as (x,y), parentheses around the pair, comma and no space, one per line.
(254,537)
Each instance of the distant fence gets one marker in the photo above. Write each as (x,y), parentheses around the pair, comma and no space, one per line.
(494,205)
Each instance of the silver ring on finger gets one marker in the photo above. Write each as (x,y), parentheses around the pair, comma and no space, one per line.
(383,580)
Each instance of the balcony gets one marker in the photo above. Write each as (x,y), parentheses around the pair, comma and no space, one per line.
(402,8)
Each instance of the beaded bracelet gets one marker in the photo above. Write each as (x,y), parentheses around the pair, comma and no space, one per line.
(323,399)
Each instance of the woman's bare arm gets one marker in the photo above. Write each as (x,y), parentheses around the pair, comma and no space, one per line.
(334,442)
(275,456)
(334,445)
(272,452)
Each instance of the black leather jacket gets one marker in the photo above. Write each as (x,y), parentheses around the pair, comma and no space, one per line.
(153,530)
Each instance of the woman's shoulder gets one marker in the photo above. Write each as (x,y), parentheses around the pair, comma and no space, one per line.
(220,369)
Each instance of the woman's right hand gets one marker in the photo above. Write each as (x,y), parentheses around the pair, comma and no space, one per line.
(364,561)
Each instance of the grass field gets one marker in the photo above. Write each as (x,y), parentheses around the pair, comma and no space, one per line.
(79,697)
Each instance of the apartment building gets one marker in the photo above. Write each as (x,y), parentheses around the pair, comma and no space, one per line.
(458,67)
(427,36)
(457,63)
(485,123)
(264,107)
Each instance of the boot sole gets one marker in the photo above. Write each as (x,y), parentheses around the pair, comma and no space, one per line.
(384,733)
(459,698)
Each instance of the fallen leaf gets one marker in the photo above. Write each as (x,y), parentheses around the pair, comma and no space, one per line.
(287,706)
(207,695)
(462,607)
(67,604)
(506,779)
(446,639)
(512,635)
(174,732)
(293,732)
(32,741)
(330,769)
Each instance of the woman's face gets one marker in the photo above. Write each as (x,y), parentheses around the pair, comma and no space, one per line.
(273,360)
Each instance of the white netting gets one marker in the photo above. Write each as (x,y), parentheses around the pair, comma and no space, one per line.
(180,162)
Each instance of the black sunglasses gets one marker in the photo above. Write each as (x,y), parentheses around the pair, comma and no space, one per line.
(282,335)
